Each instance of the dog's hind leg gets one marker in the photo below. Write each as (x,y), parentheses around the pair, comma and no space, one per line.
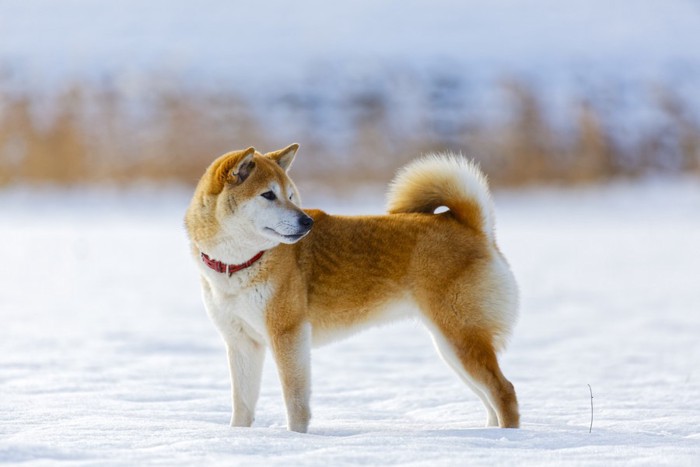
(448,354)
(470,351)
(292,351)
(475,351)
(245,360)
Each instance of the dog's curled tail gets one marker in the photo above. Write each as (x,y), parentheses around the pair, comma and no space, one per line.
(447,180)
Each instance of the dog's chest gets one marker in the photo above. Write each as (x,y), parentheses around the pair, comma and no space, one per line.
(239,309)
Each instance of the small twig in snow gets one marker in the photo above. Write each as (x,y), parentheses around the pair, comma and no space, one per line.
(591,427)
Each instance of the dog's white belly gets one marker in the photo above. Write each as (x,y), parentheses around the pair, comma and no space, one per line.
(236,312)
(390,311)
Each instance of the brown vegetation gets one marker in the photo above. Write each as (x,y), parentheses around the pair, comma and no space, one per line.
(87,135)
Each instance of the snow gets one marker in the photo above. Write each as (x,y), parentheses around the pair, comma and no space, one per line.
(108,358)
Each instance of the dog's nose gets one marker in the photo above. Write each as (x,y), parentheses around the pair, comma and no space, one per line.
(306,222)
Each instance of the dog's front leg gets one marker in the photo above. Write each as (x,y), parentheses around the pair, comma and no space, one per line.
(245,360)
(291,348)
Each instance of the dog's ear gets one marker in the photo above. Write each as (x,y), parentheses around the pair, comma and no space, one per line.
(234,168)
(243,168)
(284,157)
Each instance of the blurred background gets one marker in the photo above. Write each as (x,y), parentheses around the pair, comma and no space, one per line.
(539,91)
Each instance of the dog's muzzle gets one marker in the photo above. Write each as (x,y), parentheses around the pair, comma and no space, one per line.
(306,222)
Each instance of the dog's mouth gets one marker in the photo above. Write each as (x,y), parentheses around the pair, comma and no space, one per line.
(290,238)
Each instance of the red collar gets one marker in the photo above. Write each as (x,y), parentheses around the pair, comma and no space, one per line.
(218,266)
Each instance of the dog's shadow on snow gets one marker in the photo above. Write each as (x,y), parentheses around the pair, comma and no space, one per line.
(530,437)
(482,433)
(539,436)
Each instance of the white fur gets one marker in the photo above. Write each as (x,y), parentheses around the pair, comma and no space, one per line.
(245,359)
(394,310)
(237,306)
(295,374)
(272,219)
(238,311)
(502,306)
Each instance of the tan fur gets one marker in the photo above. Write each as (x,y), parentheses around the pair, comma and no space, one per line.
(425,186)
(348,271)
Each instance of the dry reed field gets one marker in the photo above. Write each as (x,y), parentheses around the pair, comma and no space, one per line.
(167,132)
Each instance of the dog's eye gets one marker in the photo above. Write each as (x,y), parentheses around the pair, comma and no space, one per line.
(290,196)
(269,195)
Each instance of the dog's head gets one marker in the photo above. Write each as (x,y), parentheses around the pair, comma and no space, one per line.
(249,195)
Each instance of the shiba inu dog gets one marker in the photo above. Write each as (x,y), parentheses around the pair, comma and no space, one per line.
(274,275)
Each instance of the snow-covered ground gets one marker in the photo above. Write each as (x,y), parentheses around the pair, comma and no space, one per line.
(107,356)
